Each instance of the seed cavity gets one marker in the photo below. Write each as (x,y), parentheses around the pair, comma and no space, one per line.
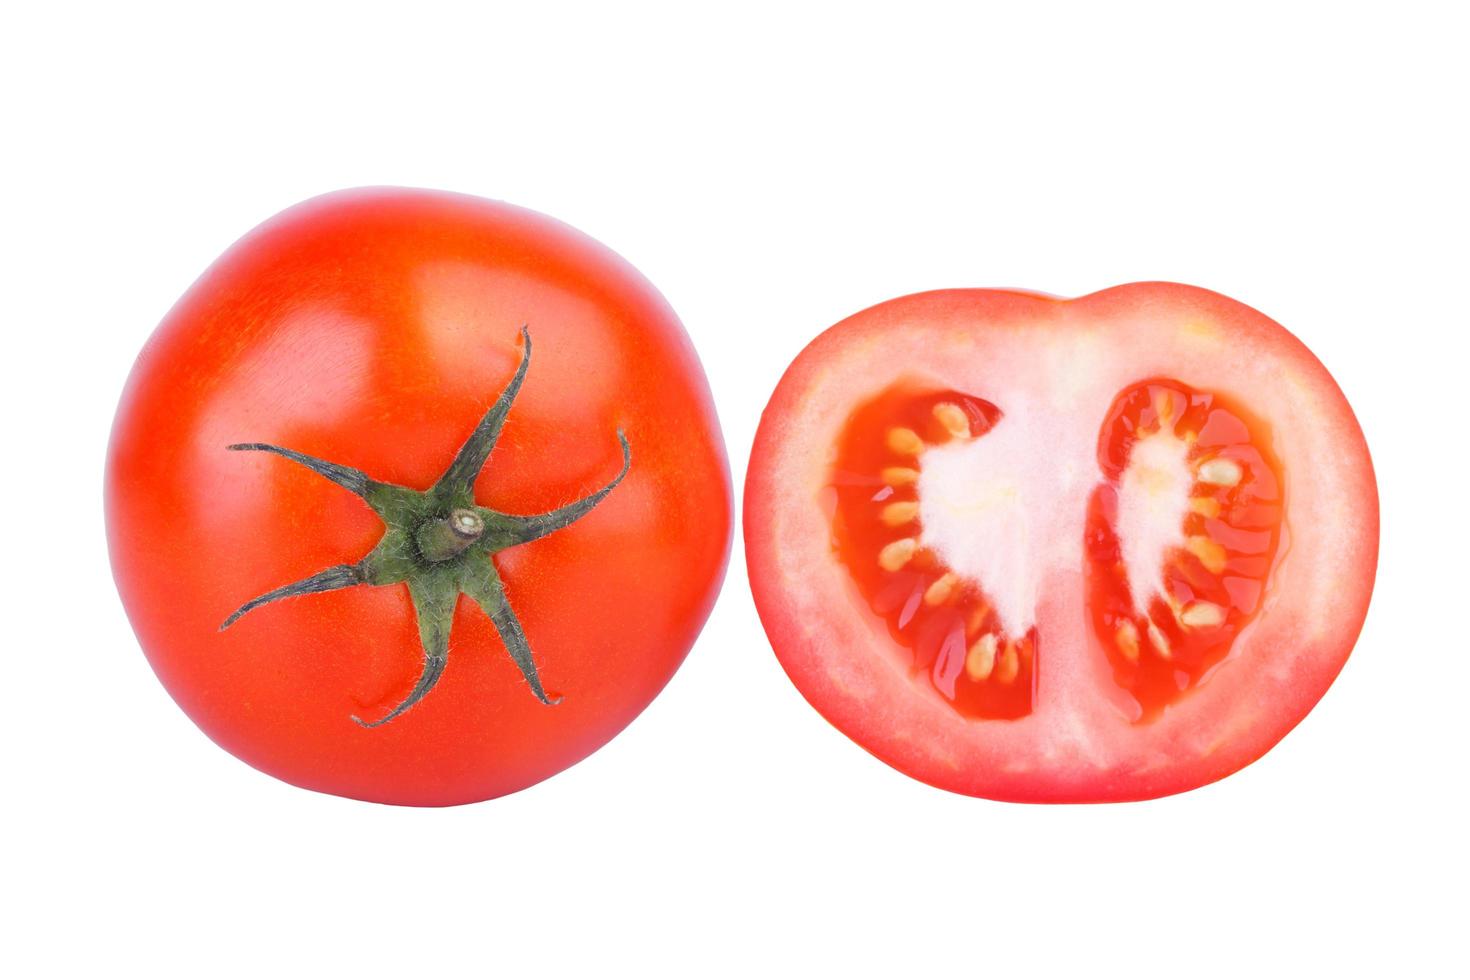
(1181,536)
(897,554)
(905,442)
(980,661)
(1220,472)
(937,611)
(954,419)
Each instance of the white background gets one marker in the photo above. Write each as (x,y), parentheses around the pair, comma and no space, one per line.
(772,169)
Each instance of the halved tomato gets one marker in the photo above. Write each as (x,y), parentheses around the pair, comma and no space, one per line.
(1037,549)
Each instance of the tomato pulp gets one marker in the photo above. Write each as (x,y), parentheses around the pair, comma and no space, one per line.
(1061,550)
(416,497)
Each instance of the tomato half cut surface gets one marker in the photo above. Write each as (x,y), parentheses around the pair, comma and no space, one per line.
(1051,550)
(416,497)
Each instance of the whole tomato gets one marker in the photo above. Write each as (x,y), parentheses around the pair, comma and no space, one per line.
(416,497)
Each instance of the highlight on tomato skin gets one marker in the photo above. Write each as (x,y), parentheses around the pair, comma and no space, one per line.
(416,498)
(1054,550)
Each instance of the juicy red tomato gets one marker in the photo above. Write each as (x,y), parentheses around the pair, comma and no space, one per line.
(1061,550)
(416,497)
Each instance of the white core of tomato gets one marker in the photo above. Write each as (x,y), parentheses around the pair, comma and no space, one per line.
(1153,498)
(992,508)
(1001,509)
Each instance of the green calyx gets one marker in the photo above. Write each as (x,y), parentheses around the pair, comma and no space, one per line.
(440,542)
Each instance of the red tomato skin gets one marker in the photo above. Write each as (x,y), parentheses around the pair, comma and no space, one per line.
(838,656)
(372,328)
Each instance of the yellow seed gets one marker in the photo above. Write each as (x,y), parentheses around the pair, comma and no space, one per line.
(899,512)
(980,661)
(899,476)
(896,554)
(1010,664)
(905,441)
(953,418)
(1127,640)
(1159,640)
(1175,606)
(1164,406)
(1221,472)
(941,589)
(1210,552)
(1206,506)
(1198,614)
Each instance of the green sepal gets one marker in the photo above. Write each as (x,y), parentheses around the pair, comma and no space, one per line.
(435,586)
(482,583)
(434,598)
